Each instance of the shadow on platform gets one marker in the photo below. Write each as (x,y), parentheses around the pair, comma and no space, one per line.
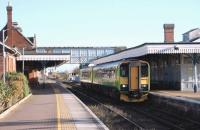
(46,89)
(43,124)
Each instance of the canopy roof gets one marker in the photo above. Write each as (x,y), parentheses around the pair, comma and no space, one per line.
(44,58)
(151,48)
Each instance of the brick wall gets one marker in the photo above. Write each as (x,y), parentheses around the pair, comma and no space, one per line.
(15,38)
(10,63)
(19,41)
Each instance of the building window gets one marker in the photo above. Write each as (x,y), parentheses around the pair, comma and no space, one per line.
(41,50)
(109,51)
(65,50)
(92,52)
(56,50)
(100,52)
(75,52)
(83,52)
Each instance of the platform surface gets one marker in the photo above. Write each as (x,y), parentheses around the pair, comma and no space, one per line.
(51,108)
(183,94)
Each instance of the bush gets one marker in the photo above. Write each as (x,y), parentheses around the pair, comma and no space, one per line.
(15,89)
(26,86)
(5,94)
(19,84)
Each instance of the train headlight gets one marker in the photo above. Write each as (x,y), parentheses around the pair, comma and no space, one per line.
(144,87)
(124,87)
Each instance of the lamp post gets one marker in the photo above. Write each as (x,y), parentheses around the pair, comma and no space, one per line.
(23,61)
(195,61)
(4,55)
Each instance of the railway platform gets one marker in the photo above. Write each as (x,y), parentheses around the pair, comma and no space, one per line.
(187,95)
(51,108)
(186,103)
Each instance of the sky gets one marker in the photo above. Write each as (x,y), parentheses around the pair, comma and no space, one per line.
(101,22)
(81,23)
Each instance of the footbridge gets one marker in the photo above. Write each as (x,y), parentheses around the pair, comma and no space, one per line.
(40,58)
(53,56)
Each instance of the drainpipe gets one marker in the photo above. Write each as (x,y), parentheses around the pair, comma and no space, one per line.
(195,72)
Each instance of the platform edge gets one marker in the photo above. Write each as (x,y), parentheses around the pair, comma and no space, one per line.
(12,108)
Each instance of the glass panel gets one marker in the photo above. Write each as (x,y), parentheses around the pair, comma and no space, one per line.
(41,50)
(83,52)
(100,52)
(124,70)
(75,52)
(92,52)
(65,50)
(144,70)
(56,50)
(109,51)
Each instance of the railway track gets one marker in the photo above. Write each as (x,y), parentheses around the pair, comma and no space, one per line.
(141,115)
(170,119)
(130,123)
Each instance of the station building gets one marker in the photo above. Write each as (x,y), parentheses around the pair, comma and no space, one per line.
(172,63)
(21,54)
(10,58)
(12,38)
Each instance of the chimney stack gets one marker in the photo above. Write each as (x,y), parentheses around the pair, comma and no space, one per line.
(9,24)
(168,33)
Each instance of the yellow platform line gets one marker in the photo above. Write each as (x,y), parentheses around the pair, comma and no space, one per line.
(67,122)
(58,110)
(63,113)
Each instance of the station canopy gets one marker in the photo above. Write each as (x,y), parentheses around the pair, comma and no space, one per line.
(43,58)
(152,48)
(41,61)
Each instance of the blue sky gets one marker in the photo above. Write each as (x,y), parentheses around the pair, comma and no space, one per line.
(101,22)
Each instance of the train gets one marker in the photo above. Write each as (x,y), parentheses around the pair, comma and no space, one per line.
(124,80)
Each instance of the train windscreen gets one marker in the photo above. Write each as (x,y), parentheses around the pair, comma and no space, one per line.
(144,70)
(124,70)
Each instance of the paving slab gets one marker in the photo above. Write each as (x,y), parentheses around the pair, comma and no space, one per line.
(51,108)
(38,112)
(181,94)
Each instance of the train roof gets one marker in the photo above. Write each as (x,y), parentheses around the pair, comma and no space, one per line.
(113,63)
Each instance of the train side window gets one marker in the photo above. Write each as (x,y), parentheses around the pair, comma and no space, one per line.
(124,70)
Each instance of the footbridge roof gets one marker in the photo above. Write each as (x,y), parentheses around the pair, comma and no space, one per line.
(74,55)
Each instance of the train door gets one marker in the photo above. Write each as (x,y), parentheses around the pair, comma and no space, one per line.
(134,76)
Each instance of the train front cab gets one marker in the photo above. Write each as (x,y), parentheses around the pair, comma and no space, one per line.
(134,81)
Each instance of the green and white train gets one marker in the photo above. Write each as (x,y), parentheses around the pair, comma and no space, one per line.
(126,80)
